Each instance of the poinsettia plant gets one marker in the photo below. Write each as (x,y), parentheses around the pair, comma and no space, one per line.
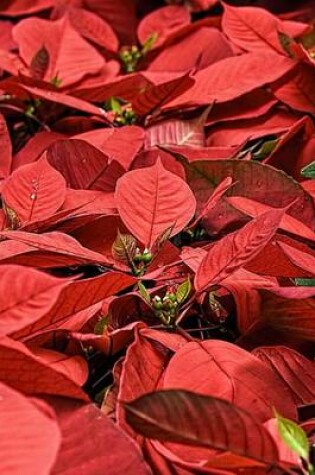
(157,237)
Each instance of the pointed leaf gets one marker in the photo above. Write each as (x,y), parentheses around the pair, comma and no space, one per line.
(143,292)
(40,63)
(153,97)
(183,290)
(78,296)
(56,243)
(149,200)
(235,250)
(71,57)
(232,77)
(124,248)
(252,28)
(309,171)
(177,132)
(293,436)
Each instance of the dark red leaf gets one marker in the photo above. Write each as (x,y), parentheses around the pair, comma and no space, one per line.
(5,149)
(84,166)
(192,419)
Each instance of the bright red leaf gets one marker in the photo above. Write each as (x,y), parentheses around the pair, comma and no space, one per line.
(151,200)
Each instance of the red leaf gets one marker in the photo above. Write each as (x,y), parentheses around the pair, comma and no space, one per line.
(235,250)
(220,369)
(70,56)
(295,317)
(5,149)
(26,372)
(51,96)
(252,28)
(299,258)
(142,371)
(34,148)
(162,22)
(153,97)
(294,370)
(56,243)
(287,223)
(298,91)
(231,77)
(25,7)
(34,192)
(150,200)
(74,367)
(29,436)
(250,180)
(121,144)
(29,294)
(83,165)
(192,419)
(76,297)
(93,28)
(87,423)
(121,15)
(203,47)
(273,261)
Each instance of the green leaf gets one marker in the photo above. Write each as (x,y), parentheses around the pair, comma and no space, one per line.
(183,290)
(149,43)
(305,282)
(286,42)
(114,105)
(309,170)
(265,150)
(293,436)
(144,293)
(101,325)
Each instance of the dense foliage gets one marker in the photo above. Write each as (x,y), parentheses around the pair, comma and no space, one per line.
(157,237)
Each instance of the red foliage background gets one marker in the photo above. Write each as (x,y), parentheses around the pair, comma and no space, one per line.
(157,235)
